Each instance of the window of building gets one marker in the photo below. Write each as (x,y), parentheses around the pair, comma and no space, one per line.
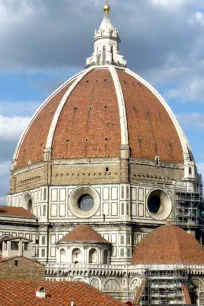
(93,256)
(76,256)
(5,245)
(86,202)
(122,239)
(43,240)
(62,256)
(14,245)
(42,252)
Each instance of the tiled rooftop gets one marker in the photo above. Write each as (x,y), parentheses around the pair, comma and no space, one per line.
(83,233)
(168,244)
(15,212)
(23,293)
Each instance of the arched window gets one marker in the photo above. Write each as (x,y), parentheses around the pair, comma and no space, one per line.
(28,204)
(190,171)
(112,285)
(105,257)
(95,283)
(62,256)
(104,55)
(76,256)
(93,256)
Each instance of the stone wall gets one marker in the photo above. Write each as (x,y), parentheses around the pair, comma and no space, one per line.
(20,268)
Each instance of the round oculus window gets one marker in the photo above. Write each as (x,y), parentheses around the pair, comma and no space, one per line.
(159,205)
(86,202)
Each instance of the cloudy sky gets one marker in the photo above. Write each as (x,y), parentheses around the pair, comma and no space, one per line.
(44,42)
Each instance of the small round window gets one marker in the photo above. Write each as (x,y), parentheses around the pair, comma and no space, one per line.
(159,204)
(86,202)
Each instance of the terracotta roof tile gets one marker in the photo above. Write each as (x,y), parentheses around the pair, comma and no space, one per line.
(168,244)
(149,121)
(33,144)
(91,113)
(89,124)
(83,233)
(23,293)
(15,212)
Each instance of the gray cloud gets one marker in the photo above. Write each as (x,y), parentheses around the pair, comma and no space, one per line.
(162,39)
(49,35)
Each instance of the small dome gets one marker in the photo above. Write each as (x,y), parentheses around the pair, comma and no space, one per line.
(83,233)
(168,244)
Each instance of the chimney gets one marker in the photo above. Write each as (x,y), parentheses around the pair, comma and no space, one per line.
(40,293)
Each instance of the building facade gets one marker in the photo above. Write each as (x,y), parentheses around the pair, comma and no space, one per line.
(106,152)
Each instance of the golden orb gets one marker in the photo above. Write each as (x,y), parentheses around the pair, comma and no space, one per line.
(107,8)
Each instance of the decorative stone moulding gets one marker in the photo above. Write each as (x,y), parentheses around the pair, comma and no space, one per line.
(159,204)
(74,201)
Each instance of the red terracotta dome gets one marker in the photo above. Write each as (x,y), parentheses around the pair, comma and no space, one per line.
(83,233)
(168,244)
(97,112)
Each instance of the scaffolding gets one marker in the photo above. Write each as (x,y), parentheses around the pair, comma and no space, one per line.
(164,287)
(188,201)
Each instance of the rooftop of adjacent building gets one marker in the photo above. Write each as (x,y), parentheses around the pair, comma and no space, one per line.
(53,293)
(10,211)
